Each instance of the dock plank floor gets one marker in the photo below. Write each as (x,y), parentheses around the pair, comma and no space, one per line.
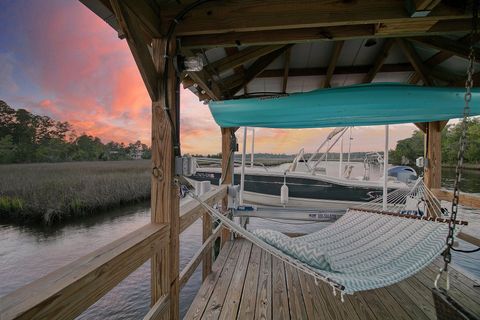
(248,283)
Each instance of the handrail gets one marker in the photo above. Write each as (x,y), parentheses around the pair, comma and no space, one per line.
(466,199)
(190,268)
(192,210)
(68,291)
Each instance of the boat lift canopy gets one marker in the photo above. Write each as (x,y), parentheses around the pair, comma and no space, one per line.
(358,105)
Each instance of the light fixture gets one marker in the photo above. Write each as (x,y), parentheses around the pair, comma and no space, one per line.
(190,64)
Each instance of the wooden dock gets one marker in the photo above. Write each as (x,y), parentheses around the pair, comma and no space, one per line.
(247,283)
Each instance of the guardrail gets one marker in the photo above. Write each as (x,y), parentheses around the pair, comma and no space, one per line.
(68,291)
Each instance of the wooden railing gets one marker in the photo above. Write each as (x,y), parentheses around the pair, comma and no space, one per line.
(68,291)
(465,199)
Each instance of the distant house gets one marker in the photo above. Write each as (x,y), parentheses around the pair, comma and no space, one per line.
(136,153)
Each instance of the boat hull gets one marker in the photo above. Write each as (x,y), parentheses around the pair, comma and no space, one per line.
(303,191)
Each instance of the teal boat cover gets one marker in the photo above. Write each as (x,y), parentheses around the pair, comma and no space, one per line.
(358,105)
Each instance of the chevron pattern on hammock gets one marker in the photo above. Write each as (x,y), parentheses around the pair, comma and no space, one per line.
(363,251)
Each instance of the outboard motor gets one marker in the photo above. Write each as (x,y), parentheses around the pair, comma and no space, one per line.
(403,174)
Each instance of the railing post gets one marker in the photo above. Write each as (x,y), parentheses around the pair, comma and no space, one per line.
(227,170)
(165,196)
(207,232)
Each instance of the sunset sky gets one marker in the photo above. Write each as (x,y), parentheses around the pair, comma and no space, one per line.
(57,58)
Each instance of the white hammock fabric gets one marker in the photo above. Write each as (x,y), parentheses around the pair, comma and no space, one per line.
(360,251)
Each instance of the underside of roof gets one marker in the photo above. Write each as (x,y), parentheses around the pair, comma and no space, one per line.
(260,48)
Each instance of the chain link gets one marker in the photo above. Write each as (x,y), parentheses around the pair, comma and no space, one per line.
(447,256)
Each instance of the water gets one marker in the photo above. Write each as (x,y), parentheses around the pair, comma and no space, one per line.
(28,253)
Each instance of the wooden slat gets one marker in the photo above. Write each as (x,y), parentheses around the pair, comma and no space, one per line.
(158,309)
(252,15)
(415,60)
(249,294)
(279,291)
(217,299)
(235,289)
(203,295)
(314,303)
(336,33)
(263,308)
(241,57)
(68,291)
(466,199)
(295,299)
(337,49)
(190,268)
(192,210)
(379,61)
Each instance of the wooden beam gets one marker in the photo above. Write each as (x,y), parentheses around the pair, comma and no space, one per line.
(439,57)
(469,238)
(331,33)
(415,60)
(433,169)
(252,15)
(453,47)
(147,14)
(337,49)
(241,57)
(236,83)
(164,192)
(202,253)
(240,69)
(286,67)
(379,61)
(363,69)
(141,54)
(422,126)
(68,291)
(228,136)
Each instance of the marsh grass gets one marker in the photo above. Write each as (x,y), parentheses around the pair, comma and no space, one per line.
(52,192)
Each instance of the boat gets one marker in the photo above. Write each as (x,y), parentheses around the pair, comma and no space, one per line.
(307,180)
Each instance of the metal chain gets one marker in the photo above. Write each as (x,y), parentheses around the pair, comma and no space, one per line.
(447,256)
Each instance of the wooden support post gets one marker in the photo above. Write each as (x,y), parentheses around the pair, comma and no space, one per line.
(227,167)
(165,195)
(433,170)
(207,258)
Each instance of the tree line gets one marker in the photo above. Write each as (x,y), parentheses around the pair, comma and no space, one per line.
(407,150)
(27,137)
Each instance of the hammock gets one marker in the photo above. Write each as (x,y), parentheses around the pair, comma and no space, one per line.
(362,250)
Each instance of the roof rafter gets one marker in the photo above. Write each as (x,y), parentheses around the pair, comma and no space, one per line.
(322,71)
(286,67)
(451,46)
(337,49)
(141,54)
(241,57)
(379,61)
(235,83)
(415,60)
